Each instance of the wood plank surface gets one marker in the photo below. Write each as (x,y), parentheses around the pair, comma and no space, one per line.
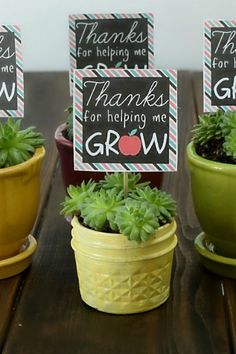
(230,304)
(46,96)
(42,311)
(50,316)
(197,78)
(228,285)
(197,318)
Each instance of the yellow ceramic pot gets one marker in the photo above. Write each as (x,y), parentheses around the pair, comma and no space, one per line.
(120,276)
(19,200)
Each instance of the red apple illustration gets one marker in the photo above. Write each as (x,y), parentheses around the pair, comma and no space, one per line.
(130,144)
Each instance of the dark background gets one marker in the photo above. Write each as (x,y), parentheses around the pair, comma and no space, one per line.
(112,26)
(8,77)
(128,85)
(228,72)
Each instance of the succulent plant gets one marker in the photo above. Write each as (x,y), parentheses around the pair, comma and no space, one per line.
(17,146)
(228,123)
(163,203)
(230,144)
(209,127)
(137,220)
(102,206)
(76,196)
(214,136)
(69,123)
(116,180)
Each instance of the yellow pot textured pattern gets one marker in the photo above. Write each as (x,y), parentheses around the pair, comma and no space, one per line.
(120,276)
(19,200)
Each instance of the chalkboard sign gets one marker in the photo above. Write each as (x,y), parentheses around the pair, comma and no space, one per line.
(220,65)
(111,40)
(11,73)
(125,120)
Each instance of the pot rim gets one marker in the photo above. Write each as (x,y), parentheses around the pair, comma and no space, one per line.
(59,137)
(123,259)
(38,155)
(158,237)
(198,160)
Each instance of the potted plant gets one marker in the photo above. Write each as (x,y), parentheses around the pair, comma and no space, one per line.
(212,162)
(123,245)
(21,154)
(64,142)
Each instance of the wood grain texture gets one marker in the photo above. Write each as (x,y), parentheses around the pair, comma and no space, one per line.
(198,324)
(230,304)
(51,318)
(197,84)
(228,285)
(46,96)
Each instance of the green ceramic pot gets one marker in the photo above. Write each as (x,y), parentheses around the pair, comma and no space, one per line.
(214,196)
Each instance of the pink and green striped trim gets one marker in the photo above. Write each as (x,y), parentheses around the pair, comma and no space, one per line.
(19,112)
(79,74)
(72,37)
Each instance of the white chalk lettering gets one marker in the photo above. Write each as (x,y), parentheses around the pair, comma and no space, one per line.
(3,90)
(98,148)
(140,52)
(95,147)
(220,64)
(111,53)
(160,118)
(109,145)
(91,117)
(229,46)
(124,117)
(7,69)
(154,140)
(104,66)
(88,33)
(98,66)
(5,53)
(83,52)
(225,92)
(100,95)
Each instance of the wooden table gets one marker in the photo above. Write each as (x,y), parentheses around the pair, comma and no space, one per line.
(41,311)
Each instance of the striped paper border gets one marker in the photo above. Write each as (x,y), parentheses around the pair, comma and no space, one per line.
(19,112)
(72,37)
(78,117)
(208,24)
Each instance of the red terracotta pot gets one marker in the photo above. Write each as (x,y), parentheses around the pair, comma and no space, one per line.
(65,149)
